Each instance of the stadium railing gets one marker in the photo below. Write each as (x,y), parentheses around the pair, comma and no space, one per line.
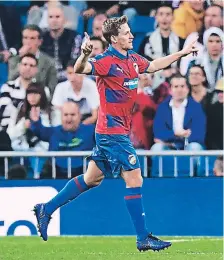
(142,153)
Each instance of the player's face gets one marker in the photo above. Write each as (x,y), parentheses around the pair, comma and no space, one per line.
(97,48)
(70,116)
(179,89)
(125,37)
(196,76)
(214,46)
(33,99)
(164,17)
(31,39)
(27,68)
(213,17)
(55,18)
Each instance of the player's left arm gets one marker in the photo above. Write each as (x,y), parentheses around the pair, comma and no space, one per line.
(164,62)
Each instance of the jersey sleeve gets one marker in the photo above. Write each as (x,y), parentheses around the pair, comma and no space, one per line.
(100,65)
(143,64)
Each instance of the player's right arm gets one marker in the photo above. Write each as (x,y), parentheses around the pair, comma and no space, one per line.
(82,65)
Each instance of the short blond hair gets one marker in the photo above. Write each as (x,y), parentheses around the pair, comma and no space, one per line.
(112,25)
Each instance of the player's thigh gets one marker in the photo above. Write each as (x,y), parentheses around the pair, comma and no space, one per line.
(132,178)
(93,175)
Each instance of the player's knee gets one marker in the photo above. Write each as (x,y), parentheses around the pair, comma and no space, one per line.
(93,182)
(134,181)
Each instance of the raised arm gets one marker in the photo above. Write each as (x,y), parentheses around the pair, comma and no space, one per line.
(162,63)
(82,65)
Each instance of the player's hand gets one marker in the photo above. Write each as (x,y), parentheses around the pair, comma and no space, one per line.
(86,45)
(27,123)
(183,133)
(190,48)
(35,113)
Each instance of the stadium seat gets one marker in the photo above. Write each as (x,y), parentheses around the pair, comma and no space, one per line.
(142,24)
(139,37)
(90,26)
(80,27)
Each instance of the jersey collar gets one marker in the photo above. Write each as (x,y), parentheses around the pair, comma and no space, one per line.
(117,53)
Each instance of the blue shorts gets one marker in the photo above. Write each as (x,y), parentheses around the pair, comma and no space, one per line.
(114,154)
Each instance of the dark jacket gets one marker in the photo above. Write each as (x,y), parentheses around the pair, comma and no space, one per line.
(194,120)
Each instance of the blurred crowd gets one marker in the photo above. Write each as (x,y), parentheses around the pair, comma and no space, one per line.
(45,106)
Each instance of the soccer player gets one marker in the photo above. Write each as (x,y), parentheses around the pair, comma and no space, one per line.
(117,72)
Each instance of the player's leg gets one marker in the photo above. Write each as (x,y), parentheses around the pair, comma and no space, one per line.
(134,203)
(76,186)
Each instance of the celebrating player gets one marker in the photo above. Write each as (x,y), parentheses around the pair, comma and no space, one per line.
(117,72)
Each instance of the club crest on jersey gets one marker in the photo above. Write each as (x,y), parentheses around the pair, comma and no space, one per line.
(136,67)
(132,159)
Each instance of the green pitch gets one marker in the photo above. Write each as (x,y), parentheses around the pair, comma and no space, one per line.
(106,248)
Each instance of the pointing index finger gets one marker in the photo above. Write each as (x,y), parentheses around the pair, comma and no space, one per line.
(86,36)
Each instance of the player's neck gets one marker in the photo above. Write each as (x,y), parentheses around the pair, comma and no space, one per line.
(120,50)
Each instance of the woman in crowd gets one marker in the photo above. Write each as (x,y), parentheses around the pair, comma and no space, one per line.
(21,135)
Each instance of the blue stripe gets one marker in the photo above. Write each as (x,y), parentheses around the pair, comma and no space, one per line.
(116,96)
(113,121)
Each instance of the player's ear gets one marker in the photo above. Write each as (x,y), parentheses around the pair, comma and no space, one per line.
(113,39)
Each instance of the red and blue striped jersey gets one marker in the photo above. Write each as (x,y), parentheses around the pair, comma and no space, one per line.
(117,82)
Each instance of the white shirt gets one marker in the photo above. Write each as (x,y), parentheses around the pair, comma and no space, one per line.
(178,114)
(87,99)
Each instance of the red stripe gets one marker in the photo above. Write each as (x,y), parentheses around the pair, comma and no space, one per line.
(132,197)
(78,184)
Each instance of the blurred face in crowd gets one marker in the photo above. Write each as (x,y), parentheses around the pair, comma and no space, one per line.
(97,47)
(179,89)
(197,5)
(75,79)
(33,98)
(145,80)
(97,25)
(213,17)
(220,97)
(56,18)
(164,17)
(196,76)
(27,68)
(214,46)
(32,40)
(70,116)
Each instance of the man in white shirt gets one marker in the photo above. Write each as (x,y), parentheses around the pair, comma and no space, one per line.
(80,89)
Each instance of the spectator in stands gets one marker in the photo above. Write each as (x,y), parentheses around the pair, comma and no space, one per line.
(19,126)
(10,37)
(10,28)
(81,90)
(143,114)
(198,85)
(98,46)
(214,136)
(213,18)
(39,15)
(180,122)
(32,40)
(70,136)
(14,92)
(162,42)
(188,18)
(22,137)
(97,25)
(212,58)
(60,43)
(109,8)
